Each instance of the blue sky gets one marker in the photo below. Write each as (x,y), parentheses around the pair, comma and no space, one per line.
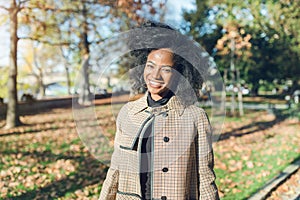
(174,8)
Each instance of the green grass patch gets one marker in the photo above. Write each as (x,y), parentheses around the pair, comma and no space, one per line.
(76,141)
(241,184)
(41,152)
(111,131)
(33,145)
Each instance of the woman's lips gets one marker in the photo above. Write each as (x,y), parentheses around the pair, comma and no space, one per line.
(155,84)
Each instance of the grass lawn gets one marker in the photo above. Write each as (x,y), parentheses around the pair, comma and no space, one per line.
(45,159)
(253,150)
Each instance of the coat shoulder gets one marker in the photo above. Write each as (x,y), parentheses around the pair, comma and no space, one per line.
(198,114)
(195,110)
(130,107)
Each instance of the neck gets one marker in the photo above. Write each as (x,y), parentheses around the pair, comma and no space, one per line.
(157,97)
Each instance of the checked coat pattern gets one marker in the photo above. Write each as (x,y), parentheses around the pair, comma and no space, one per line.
(182,155)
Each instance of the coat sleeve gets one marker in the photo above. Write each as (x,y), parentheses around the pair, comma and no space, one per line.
(207,187)
(110,185)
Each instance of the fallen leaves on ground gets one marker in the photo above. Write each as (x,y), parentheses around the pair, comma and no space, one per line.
(290,189)
(256,150)
(46,159)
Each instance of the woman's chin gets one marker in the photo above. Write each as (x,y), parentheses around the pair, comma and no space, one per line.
(157,92)
(154,91)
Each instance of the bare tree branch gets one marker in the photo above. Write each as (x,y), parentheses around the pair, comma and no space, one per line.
(24,1)
(19,6)
(46,41)
(4,8)
(98,41)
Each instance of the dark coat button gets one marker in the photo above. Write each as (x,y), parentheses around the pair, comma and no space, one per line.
(164,198)
(166,139)
(165,169)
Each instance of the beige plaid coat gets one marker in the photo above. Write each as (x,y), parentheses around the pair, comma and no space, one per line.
(182,156)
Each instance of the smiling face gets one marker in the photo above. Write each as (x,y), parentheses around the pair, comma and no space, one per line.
(158,73)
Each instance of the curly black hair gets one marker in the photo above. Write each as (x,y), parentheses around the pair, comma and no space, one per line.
(154,35)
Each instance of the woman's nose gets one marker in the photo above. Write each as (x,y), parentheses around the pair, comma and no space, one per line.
(156,73)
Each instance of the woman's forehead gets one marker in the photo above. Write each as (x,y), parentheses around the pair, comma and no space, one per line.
(161,57)
(165,50)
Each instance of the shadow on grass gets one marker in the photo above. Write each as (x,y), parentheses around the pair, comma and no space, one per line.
(48,126)
(89,172)
(29,130)
(280,115)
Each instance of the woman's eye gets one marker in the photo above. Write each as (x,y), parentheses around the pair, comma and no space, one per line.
(150,66)
(166,69)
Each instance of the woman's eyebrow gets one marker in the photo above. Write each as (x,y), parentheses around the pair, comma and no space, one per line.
(153,63)
(149,61)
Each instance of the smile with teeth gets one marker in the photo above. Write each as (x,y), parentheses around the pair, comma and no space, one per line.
(155,84)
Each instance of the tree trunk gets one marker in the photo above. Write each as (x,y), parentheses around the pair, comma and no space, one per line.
(232,106)
(240,99)
(84,94)
(254,90)
(223,95)
(68,78)
(42,86)
(40,75)
(12,115)
(40,78)
(67,70)
(240,94)
(232,69)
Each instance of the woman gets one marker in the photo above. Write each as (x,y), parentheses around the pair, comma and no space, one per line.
(163,142)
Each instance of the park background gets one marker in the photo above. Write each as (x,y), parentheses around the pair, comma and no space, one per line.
(46,44)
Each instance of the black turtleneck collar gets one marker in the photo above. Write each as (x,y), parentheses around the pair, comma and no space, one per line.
(160,102)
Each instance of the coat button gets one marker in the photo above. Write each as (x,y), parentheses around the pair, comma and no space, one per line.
(165,169)
(166,139)
(164,198)
(165,114)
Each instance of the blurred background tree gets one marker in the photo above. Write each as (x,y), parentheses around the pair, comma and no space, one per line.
(269,31)
(76,27)
(274,30)
(65,36)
